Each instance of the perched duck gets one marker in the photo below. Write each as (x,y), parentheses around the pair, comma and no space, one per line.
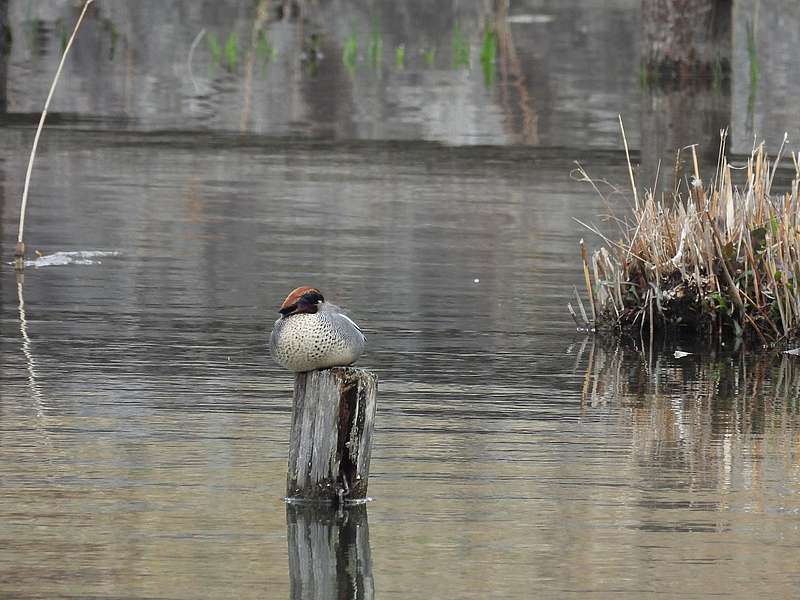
(314,334)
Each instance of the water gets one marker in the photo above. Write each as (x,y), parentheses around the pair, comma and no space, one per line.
(143,429)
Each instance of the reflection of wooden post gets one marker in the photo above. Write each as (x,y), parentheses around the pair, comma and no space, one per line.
(329,553)
(331,436)
(672,119)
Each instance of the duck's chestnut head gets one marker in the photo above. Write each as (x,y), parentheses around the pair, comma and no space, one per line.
(301,300)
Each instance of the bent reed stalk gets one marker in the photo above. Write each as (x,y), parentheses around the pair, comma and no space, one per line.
(19,254)
(712,260)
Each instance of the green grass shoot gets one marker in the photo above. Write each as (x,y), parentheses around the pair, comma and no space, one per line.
(375,49)
(232,51)
(400,57)
(461,49)
(265,51)
(215,48)
(489,56)
(350,52)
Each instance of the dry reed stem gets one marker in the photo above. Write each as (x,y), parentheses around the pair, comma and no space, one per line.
(588,278)
(24,205)
(630,168)
(190,58)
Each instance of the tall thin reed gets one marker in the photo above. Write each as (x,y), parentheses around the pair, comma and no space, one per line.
(19,253)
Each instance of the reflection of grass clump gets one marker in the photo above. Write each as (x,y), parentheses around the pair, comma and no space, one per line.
(713,259)
(759,389)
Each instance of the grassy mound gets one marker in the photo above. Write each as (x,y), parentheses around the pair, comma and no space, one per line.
(714,259)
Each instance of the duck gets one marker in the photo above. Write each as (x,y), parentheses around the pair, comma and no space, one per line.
(314,334)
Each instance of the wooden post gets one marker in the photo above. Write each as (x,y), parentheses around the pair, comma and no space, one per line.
(329,552)
(331,436)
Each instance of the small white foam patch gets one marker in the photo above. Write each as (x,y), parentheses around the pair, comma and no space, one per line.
(80,257)
(528,19)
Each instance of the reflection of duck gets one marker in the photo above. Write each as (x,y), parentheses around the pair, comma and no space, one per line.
(314,334)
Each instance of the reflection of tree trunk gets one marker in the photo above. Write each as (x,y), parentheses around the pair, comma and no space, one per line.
(686,49)
(510,66)
(5,50)
(330,97)
(673,119)
(262,14)
(682,39)
(329,553)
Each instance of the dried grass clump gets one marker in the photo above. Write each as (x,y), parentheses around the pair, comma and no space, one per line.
(716,259)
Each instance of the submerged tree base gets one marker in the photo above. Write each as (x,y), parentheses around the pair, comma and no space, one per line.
(716,261)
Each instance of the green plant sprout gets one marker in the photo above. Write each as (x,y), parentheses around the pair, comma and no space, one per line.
(460,49)
(488,56)
(265,50)
(232,51)
(400,57)
(375,50)
(350,52)
(215,48)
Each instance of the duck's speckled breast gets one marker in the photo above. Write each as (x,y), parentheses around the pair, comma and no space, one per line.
(305,342)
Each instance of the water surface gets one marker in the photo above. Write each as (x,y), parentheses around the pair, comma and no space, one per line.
(143,428)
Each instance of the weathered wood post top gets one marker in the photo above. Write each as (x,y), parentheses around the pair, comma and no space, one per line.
(331,435)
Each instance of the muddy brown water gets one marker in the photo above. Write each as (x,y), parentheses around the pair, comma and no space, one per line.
(143,428)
